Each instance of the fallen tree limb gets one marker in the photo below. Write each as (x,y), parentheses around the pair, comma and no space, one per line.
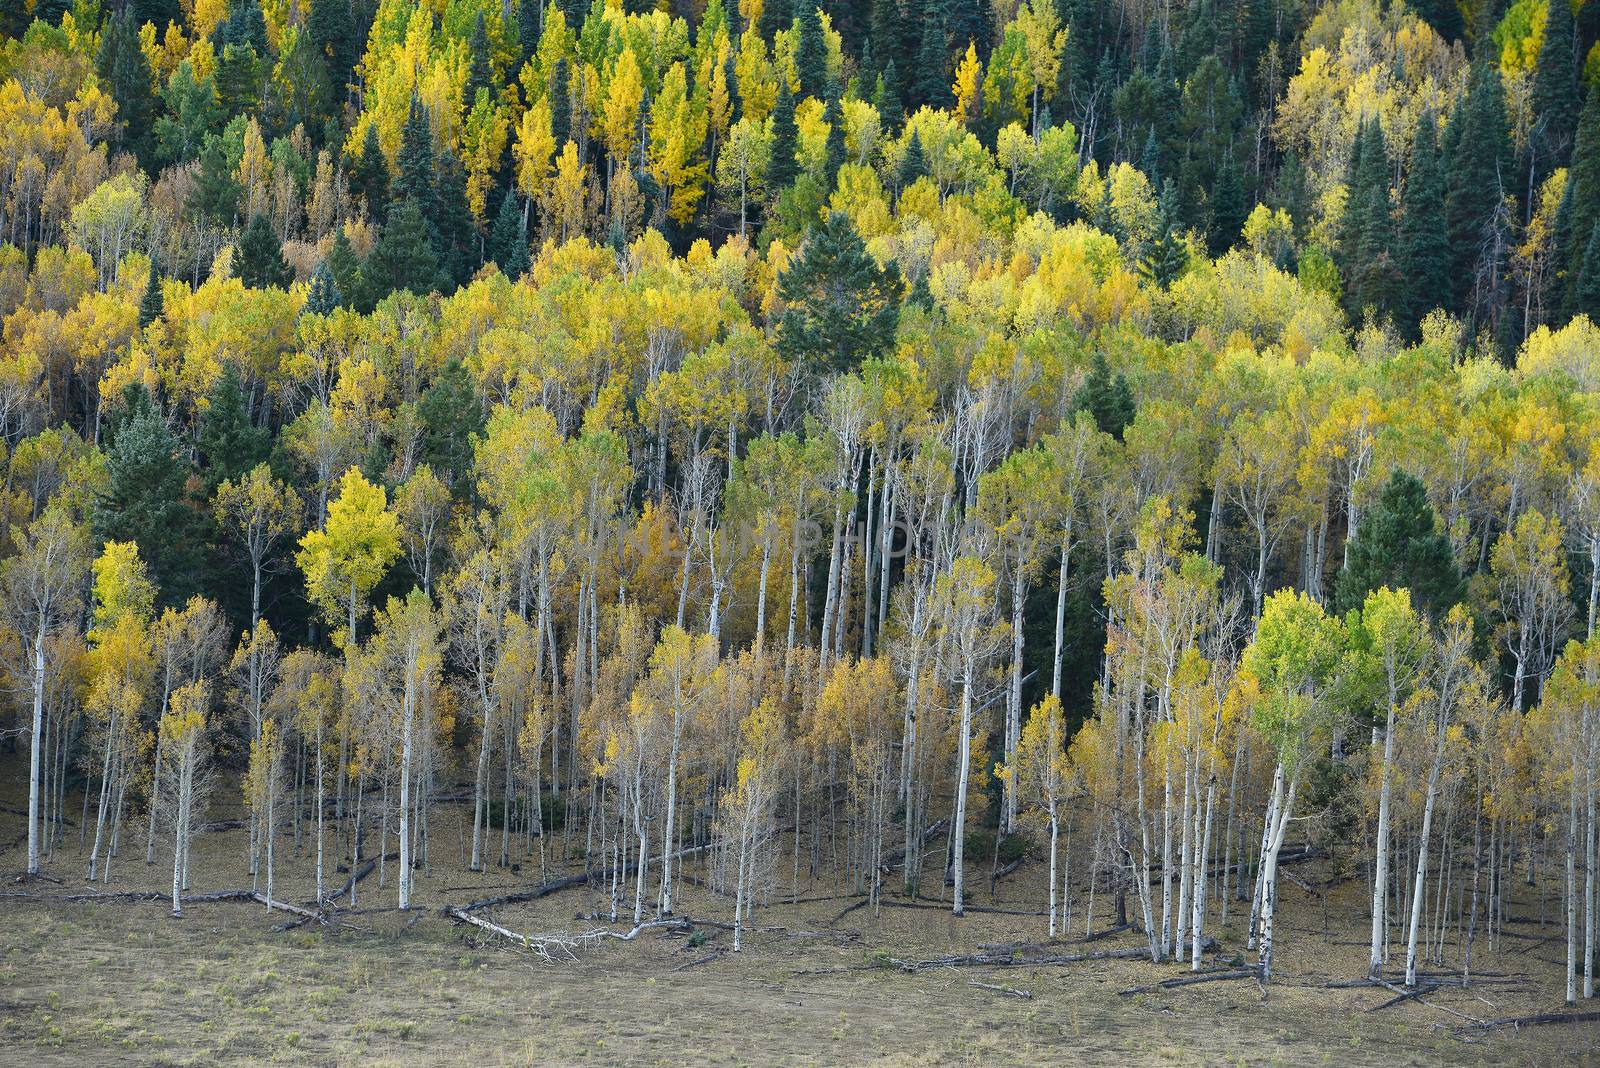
(549,948)
(1540,1019)
(1191,980)
(1402,995)
(1010,991)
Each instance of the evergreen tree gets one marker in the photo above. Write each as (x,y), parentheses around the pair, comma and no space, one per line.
(414,164)
(886,34)
(457,236)
(344,267)
(452,418)
(842,307)
(561,103)
(783,168)
(1583,181)
(810,51)
(891,111)
(931,86)
(1398,545)
(261,262)
(1226,207)
(230,442)
(238,80)
(1424,244)
(480,75)
(215,197)
(332,32)
(1443,15)
(1167,254)
(125,74)
(369,175)
(403,257)
(1586,293)
(153,304)
(776,15)
(323,296)
(1106,397)
(969,20)
(1478,160)
(833,115)
(508,242)
(1555,89)
(915,163)
(1367,228)
(144,498)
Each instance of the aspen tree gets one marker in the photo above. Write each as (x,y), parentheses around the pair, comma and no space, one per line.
(41,586)
(1291,662)
(1044,775)
(183,786)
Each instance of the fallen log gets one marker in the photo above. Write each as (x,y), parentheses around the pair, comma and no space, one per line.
(549,948)
(1191,980)
(1009,991)
(1540,1019)
(555,885)
(1402,995)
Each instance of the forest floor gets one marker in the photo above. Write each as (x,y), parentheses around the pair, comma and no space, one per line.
(111,982)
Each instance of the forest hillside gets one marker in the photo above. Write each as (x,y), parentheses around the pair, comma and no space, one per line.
(1095,481)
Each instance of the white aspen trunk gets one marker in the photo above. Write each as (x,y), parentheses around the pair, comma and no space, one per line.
(36,750)
(1572,891)
(407,711)
(1269,868)
(1061,620)
(1422,865)
(1380,877)
(321,888)
(667,842)
(761,595)
(1197,922)
(1055,824)
(959,831)
(1019,591)
(478,805)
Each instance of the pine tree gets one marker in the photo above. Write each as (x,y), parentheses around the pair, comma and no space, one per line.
(527,30)
(784,167)
(1167,254)
(810,51)
(560,103)
(914,165)
(1226,208)
(891,110)
(333,33)
(404,256)
(508,243)
(480,75)
(261,264)
(833,115)
(144,499)
(231,445)
(776,15)
(1424,243)
(886,34)
(344,267)
(1477,165)
(125,73)
(931,86)
(1586,293)
(1367,229)
(1583,181)
(457,237)
(215,197)
(414,163)
(239,80)
(1555,89)
(842,307)
(1107,398)
(152,305)
(1443,15)
(369,176)
(968,20)
(452,419)
(323,296)
(1399,545)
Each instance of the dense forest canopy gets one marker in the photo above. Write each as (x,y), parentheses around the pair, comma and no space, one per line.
(1166,420)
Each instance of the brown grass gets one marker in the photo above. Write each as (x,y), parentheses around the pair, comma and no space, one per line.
(100,983)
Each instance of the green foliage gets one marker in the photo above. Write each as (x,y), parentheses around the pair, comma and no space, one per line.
(260,263)
(842,307)
(1398,545)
